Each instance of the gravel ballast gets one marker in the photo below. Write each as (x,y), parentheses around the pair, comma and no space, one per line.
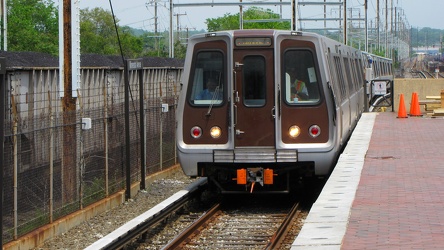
(99,226)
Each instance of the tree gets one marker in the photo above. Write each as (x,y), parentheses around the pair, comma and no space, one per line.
(98,35)
(231,21)
(155,45)
(179,50)
(33,26)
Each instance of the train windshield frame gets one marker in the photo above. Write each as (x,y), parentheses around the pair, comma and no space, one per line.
(300,77)
(207,79)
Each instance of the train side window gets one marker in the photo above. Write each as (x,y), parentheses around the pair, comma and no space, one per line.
(359,73)
(338,66)
(300,77)
(355,75)
(334,75)
(254,84)
(207,85)
(348,73)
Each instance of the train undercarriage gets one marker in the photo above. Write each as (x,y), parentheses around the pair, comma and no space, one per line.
(266,178)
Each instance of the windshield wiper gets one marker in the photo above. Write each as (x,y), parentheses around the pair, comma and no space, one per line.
(215,95)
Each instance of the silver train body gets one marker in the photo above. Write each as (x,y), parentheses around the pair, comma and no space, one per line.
(259,130)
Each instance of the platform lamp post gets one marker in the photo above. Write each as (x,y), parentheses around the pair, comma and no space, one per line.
(2,136)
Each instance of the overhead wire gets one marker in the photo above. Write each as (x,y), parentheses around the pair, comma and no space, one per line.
(117,31)
(123,57)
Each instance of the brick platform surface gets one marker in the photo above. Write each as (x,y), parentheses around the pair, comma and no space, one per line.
(399,202)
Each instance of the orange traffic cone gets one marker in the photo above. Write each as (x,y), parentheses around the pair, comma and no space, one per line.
(401,112)
(414,105)
(411,102)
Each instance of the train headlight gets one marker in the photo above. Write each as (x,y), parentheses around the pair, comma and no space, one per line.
(215,132)
(314,131)
(196,132)
(294,131)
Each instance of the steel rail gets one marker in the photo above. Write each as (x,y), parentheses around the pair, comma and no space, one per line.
(278,237)
(179,241)
(126,233)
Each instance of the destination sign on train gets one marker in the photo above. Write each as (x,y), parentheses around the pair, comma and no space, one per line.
(253,41)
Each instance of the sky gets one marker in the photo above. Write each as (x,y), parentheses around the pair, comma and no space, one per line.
(140,13)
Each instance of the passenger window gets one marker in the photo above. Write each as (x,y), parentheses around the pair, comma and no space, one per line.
(207,84)
(254,84)
(300,80)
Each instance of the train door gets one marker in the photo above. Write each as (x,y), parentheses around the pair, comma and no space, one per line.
(253,98)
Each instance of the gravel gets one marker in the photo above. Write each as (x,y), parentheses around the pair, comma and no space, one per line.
(99,226)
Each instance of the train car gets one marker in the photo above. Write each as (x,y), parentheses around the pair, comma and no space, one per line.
(261,110)
(377,68)
(432,66)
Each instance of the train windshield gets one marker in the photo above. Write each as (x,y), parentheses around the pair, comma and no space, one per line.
(299,77)
(207,86)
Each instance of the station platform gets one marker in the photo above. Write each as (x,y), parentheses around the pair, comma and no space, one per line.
(386,192)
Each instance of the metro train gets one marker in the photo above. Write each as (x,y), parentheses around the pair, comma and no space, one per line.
(261,110)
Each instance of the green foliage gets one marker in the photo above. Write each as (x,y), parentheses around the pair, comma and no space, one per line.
(425,36)
(380,52)
(93,191)
(231,21)
(98,35)
(39,219)
(179,50)
(227,22)
(155,45)
(97,30)
(33,26)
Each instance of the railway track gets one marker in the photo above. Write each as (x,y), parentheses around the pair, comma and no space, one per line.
(250,227)
(240,222)
(138,228)
(428,75)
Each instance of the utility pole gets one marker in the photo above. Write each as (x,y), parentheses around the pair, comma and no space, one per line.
(340,24)
(2,138)
(4,24)
(386,28)
(325,18)
(397,32)
(156,24)
(391,28)
(188,34)
(241,16)
(171,54)
(440,49)
(392,24)
(177,24)
(377,25)
(366,28)
(350,27)
(155,17)
(156,39)
(345,22)
(294,13)
(69,171)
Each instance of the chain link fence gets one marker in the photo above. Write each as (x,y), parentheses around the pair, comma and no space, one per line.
(53,166)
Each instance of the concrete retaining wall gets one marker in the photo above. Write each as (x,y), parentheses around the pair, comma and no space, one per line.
(424,87)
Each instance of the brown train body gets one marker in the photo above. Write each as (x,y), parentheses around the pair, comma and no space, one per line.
(262,109)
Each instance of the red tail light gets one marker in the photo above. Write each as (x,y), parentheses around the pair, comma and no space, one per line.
(314,131)
(196,132)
